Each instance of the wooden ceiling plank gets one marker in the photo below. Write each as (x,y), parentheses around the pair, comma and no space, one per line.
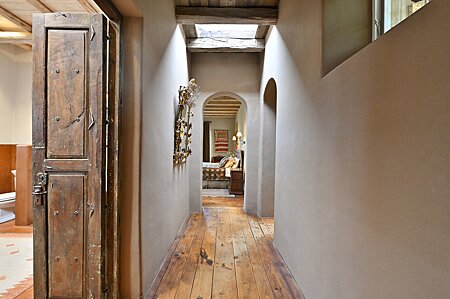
(14,19)
(253,3)
(15,38)
(195,3)
(226,15)
(87,5)
(39,6)
(210,45)
(241,3)
(227,3)
(214,3)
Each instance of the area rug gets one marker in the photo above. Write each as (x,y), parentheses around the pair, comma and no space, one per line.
(217,193)
(16,264)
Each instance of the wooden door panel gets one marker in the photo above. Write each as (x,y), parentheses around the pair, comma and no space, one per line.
(66,100)
(65,217)
(69,155)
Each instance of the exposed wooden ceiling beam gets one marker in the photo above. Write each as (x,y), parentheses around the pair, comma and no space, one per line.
(110,10)
(262,30)
(219,114)
(15,38)
(40,6)
(226,15)
(190,31)
(225,45)
(14,19)
(224,100)
(220,109)
(208,106)
(223,105)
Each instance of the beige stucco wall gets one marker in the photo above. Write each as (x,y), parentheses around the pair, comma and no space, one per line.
(362,194)
(15,94)
(164,188)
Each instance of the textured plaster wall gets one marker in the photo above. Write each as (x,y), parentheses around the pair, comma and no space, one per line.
(235,75)
(267,158)
(164,188)
(362,204)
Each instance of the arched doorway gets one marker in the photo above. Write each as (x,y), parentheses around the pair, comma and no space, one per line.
(266,196)
(224,151)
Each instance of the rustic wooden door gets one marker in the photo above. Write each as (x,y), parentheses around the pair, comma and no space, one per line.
(69,155)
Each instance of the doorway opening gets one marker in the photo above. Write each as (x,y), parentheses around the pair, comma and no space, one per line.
(266,205)
(224,152)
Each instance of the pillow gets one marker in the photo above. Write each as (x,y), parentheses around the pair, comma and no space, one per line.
(236,163)
(223,162)
(229,163)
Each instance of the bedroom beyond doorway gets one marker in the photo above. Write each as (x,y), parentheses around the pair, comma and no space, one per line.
(224,138)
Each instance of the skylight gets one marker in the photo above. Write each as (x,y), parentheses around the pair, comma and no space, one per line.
(226,30)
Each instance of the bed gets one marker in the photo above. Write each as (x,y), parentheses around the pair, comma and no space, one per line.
(214,176)
(217,177)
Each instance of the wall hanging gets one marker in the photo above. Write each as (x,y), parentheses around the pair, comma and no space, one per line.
(221,141)
(187,95)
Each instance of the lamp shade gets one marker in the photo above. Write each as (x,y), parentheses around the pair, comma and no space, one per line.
(238,134)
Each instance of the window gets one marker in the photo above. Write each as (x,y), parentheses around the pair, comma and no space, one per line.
(389,13)
(226,30)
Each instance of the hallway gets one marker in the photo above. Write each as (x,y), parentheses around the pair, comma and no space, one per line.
(225,253)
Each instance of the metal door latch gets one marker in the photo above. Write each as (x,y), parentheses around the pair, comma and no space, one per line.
(39,189)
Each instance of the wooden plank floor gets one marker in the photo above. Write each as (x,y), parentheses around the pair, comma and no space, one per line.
(236,202)
(225,253)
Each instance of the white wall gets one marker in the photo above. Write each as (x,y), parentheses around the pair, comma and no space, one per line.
(15,95)
(236,75)
(362,193)
(220,124)
(164,188)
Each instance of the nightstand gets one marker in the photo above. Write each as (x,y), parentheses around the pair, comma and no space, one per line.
(236,182)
